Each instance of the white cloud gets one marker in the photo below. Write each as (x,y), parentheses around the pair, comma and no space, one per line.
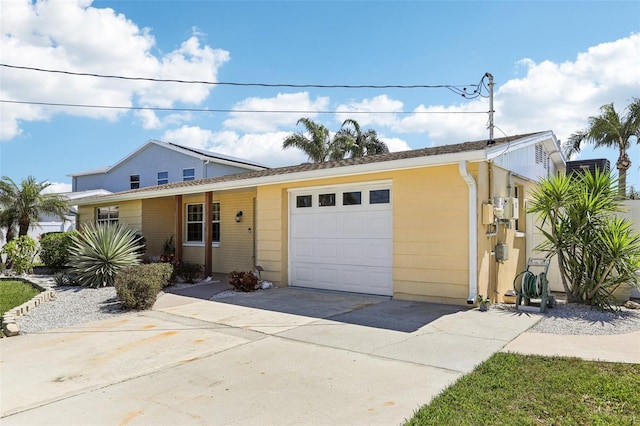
(73,36)
(57,188)
(263,148)
(395,144)
(551,96)
(447,124)
(150,120)
(561,97)
(270,122)
(378,103)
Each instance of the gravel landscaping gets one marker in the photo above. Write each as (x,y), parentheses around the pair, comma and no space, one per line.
(75,305)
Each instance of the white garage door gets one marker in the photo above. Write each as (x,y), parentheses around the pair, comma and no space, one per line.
(341,238)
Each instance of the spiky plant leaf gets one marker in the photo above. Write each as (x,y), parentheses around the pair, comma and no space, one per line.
(100,251)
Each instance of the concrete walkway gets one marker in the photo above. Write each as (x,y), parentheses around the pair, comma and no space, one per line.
(283,356)
(610,348)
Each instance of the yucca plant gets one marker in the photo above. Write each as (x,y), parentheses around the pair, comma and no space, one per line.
(100,251)
(596,251)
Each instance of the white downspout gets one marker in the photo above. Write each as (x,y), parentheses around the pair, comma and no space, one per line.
(473,232)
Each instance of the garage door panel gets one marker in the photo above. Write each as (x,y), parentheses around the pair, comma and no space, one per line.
(369,280)
(303,226)
(327,275)
(326,251)
(342,247)
(304,274)
(372,252)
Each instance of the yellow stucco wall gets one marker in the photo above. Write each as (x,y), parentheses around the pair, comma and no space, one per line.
(430,238)
(430,222)
(271,233)
(236,248)
(130,213)
(495,278)
(158,216)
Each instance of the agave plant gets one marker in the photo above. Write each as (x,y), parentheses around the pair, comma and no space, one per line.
(100,251)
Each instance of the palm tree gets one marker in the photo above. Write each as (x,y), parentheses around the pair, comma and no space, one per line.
(24,204)
(611,130)
(318,146)
(353,141)
(8,221)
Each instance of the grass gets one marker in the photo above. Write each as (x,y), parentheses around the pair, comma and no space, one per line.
(15,293)
(511,389)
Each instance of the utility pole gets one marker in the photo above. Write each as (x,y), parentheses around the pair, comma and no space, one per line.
(491,111)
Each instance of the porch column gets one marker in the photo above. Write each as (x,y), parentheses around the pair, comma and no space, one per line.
(208,235)
(177,227)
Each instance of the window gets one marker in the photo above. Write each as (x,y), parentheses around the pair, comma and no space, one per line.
(163,178)
(351,198)
(107,215)
(195,223)
(326,200)
(379,196)
(134,181)
(215,223)
(303,201)
(188,174)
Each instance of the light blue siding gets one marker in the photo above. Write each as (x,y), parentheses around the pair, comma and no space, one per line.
(147,163)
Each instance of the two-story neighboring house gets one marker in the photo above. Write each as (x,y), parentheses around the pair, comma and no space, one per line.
(159,163)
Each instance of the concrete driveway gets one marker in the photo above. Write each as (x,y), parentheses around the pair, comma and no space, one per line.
(282,356)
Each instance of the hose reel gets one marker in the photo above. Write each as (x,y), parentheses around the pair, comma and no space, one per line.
(528,285)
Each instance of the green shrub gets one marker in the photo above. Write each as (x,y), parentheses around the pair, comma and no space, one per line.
(62,279)
(20,253)
(100,251)
(54,249)
(243,281)
(188,271)
(138,286)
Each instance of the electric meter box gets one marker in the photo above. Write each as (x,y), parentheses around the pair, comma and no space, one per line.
(511,208)
(502,252)
(487,214)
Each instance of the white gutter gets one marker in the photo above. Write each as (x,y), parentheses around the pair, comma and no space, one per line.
(473,232)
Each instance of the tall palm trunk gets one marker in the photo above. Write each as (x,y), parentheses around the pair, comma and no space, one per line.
(23,225)
(623,164)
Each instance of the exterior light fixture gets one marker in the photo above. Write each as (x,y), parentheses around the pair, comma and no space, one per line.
(239,216)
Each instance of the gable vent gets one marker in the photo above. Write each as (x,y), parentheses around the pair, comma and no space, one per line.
(541,155)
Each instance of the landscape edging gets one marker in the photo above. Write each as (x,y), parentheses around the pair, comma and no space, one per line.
(9,326)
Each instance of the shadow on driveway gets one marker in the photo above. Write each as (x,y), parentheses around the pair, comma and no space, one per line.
(352,308)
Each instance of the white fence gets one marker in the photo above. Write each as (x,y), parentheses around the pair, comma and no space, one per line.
(632,212)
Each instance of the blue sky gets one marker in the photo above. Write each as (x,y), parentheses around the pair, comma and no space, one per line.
(554,64)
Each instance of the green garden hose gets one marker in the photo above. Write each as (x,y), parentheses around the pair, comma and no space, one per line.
(529,285)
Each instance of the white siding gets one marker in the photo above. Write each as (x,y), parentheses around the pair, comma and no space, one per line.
(524,162)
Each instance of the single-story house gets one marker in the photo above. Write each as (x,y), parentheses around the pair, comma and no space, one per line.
(439,224)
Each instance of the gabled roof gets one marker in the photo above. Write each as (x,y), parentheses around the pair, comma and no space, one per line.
(440,155)
(200,154)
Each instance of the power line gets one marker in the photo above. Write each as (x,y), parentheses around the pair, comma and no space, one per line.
(56,104)
(465,90)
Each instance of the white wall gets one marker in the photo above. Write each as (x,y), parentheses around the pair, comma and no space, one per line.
(632,212)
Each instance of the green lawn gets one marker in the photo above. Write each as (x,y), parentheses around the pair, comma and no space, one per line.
(15,293)
(510,389)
